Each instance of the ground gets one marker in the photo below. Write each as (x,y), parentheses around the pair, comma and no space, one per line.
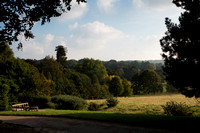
(68,125)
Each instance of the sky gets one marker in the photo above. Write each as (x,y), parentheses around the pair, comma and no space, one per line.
(105,30)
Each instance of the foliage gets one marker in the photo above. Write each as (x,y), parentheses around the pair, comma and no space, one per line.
(68,102)
(177,109)
(116,87)
(22,79)
(181,46)
(5,52)
(128,69)
(19,17)
(128,91)
(8,91)
(171,88)
(61,55)
(21,74)
(53,71)
(111,102)
(4,105)
(94,106)
(148,82)
(78,84)
(93,69)
(41,101)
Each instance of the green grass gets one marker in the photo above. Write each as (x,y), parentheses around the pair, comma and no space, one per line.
(142,120)
(149,104)
(145,111)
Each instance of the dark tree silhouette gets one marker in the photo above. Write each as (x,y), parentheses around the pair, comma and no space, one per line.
(19,16)
(61,55)
(181,47)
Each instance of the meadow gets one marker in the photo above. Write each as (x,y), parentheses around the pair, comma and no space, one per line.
(150,104)
(143,111)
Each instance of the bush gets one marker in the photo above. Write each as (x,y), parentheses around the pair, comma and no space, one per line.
(94,106)
(41,101)
(68,102)
(111,102)
(177,109)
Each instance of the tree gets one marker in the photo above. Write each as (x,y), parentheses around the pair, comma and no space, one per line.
(5,52)
(8,91)
(19,16)
(94,69)
(128,91)
(181,46)
(147,82)
(4,98)
(116,87)
(53,71)
(61,55)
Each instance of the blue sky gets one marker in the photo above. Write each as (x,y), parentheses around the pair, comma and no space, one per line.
(104,29)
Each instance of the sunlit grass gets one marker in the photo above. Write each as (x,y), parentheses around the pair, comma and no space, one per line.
(146,104)
(128,105)
(138,111)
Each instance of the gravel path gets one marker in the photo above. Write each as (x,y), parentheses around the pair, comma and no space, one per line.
(67,125)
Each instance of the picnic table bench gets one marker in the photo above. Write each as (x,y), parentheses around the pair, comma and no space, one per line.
(23,106)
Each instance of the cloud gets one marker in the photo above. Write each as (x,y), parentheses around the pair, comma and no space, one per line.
(138,3)
(38,49)
(95,40)
(77,11)
(74,26)
(94,35)
(153,4)
(106,5)
(48,38)
(100,41)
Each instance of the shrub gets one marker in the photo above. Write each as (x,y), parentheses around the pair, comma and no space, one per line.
(94,106)
(41,101)
(177,109)
(68,102)
(111,102)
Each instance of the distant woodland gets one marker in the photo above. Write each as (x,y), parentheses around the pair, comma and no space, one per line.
(87,78)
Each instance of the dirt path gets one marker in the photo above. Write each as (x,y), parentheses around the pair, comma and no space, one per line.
(67,125)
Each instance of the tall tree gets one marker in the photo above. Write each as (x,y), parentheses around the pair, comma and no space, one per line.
(19,16)
(116,87)
(181,46)
(61,55)
(147,82)
(128,91)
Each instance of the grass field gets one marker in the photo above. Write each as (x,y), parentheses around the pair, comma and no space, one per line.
(137,104)
(147,104)
(138,111)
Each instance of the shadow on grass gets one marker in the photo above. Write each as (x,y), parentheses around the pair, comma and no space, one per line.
(175,123)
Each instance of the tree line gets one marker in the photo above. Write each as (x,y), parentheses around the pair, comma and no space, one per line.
(21,80)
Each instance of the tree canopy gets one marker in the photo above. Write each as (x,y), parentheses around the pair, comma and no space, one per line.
(61,55)
(147,82)
(181,46)
(19,16)
(94,69)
